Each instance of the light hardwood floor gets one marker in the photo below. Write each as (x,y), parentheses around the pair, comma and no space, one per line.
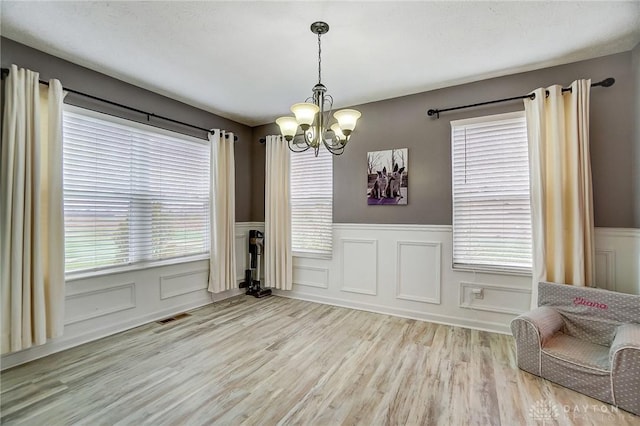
(284,361)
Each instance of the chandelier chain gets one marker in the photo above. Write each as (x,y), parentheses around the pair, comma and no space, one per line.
(319,60)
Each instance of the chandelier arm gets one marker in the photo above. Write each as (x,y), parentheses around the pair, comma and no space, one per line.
(292,149)
(328,101)
(330,98)
(309,136)
(333,150)
(335,143)
(296,147)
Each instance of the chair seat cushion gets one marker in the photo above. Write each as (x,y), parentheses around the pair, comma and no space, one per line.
(578,351)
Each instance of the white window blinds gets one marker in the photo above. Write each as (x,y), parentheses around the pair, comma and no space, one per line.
(132,193)
(491,206)
(312,202)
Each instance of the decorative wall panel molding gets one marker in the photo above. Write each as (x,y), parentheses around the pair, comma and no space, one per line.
(606,269)
(311,276)
(242,250)
(96,303)
(184,283)
(494,298)
(418,271)
(359,265)
(617,253)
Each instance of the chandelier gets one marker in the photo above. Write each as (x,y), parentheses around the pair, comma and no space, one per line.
(313,116)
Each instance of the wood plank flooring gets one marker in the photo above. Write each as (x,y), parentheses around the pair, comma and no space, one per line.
(283,361)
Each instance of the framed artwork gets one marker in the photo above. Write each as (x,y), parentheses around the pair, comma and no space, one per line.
(387,177)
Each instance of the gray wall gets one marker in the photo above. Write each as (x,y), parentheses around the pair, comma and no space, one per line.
(400,123)
(403,123)
(257,164)
(85,80)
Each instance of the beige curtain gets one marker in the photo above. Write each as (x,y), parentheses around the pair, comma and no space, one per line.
(277,211)
(222,263)
(561,190)
(31,212)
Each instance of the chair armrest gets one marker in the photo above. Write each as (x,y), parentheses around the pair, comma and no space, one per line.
(624,356)
(546,321)
(531,331)
(627,337)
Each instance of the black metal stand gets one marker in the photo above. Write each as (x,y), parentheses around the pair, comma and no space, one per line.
(252,275)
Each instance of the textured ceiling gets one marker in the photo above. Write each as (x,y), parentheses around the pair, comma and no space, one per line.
(249,61)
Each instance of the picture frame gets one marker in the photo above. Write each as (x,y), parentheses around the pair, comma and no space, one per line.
(388,177)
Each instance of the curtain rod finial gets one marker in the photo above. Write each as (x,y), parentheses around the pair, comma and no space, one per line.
(608,82)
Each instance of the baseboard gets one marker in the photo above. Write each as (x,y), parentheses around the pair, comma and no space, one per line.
(488,326)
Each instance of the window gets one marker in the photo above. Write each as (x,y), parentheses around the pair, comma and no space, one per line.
(491,206)
(312,203)
(132,193)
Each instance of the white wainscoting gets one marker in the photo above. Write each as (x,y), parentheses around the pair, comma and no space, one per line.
(396,267)
(405,270)
(99,306)
(618,259)
(242,252)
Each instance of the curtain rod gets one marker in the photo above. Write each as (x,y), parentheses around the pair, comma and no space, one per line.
(5,72)
(607,82)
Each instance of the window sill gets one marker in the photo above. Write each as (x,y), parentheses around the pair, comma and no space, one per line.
(492,270)
(81,275)
(308,255)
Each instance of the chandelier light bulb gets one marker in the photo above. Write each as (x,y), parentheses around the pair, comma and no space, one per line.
(288,127)
(338,131)
(347,119)
(305,113)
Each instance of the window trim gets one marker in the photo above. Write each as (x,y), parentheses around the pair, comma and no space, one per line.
(143,264)
(486,269)
(314,254)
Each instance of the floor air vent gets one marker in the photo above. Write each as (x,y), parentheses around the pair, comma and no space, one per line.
(173,318)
